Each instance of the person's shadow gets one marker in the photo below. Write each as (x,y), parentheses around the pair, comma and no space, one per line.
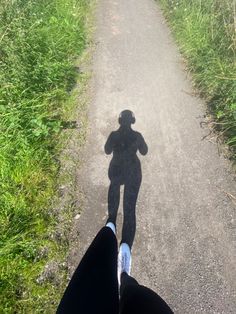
(125,169)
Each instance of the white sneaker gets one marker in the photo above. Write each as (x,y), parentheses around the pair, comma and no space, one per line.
(124,260)
(111,226)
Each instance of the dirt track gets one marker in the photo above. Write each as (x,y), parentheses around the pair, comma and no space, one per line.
(185,244)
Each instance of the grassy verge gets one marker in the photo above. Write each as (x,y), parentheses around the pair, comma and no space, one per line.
(39,43)
(206,33)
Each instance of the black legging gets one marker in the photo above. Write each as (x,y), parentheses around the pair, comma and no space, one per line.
(93,288)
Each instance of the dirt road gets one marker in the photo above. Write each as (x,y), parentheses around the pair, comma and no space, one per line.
(185,243)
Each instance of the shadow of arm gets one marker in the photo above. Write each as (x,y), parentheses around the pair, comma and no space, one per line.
(109,145)
(142,146)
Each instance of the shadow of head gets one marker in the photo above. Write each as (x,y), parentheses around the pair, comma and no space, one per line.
(126,118)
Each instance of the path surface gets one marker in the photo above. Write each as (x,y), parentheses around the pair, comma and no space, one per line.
(185,244)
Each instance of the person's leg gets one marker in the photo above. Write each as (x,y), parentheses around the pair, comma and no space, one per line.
(139,299)
(124,261)
(131,190)
(113,201)
(93,288)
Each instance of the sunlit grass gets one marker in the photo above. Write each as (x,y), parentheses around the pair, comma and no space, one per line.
(39,41)
(206,33)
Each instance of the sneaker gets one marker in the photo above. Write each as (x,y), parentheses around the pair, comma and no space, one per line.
(124,260)
(111,226)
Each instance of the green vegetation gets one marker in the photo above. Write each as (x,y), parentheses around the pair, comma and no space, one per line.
(206,32)
(39,43)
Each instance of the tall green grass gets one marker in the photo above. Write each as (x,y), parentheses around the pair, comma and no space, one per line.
(206,32)
(39,41)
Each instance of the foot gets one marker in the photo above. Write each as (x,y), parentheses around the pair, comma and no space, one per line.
(111,226)
(124,260)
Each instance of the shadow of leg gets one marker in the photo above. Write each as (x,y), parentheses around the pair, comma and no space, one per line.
(129,222)
(113,201)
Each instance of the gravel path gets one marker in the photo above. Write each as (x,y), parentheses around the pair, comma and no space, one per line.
(185,243)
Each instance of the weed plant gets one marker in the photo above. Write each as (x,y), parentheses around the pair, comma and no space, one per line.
(206,32)
(39,41)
